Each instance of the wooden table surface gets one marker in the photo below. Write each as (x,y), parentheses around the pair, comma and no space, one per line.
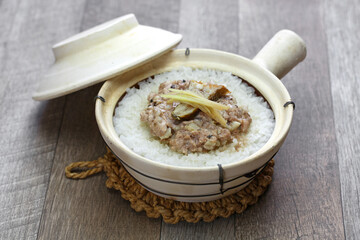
(315,190)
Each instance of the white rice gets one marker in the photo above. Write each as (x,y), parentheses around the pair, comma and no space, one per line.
(136,135)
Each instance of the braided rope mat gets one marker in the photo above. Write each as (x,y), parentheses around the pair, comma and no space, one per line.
(170,210)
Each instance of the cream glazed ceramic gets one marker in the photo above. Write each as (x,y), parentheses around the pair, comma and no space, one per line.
(102,52)
(284,51)
(122,46)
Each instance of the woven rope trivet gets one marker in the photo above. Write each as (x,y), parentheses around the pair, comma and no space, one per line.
(171,211)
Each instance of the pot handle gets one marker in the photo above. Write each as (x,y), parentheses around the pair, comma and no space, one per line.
(281,53)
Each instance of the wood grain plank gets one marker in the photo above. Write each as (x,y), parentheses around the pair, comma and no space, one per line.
(303,201)
(8,11)
(343,37)
(87,209)
(222,228)
(206,24)
(29,129)
(209,24)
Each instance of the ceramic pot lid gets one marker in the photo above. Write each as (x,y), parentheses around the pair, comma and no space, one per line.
(102,52)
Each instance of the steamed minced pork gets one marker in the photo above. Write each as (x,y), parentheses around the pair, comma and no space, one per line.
(180,124)
(237,138)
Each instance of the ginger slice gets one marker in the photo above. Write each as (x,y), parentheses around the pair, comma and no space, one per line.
(196,101)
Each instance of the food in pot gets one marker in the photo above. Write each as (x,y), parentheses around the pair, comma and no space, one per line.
(192,116)
(233,142)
